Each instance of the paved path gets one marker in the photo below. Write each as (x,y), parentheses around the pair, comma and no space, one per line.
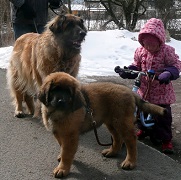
(28,152)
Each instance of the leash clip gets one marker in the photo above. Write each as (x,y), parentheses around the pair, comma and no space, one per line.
(94,123)
(90,111)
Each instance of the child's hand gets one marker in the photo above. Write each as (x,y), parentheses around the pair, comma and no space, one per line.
(124,74)
(164,77)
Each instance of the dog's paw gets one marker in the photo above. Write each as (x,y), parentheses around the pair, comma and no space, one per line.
(59,158)
(60,172)
(19,114)
(37,113)
(35,116)
(128,165)
(108,152)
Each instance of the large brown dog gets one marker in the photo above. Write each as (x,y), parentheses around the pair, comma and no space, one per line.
(67,108)
(36,55)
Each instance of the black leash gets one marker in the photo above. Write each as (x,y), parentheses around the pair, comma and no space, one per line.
(90,112)
(35,25)
(34,22)
(53,10)
(60,5)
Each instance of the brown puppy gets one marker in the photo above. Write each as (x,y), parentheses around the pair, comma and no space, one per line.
(36,55)
(65,111)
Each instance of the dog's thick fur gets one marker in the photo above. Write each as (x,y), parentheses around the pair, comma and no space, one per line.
(37,55)
(64,109)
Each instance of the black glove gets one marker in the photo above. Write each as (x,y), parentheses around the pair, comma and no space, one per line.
(117,69)
(55,4)
(126,74)
(28,11)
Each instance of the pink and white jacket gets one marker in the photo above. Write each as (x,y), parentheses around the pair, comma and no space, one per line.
(144,61)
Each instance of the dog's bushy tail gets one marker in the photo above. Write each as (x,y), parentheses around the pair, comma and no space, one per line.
(149,107)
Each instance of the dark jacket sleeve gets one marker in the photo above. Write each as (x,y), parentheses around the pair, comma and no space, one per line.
(17,3)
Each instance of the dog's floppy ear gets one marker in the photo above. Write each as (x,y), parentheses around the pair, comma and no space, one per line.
(77,99)
(44,93)
(57,25)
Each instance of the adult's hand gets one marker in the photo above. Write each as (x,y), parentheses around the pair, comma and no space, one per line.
(55,4)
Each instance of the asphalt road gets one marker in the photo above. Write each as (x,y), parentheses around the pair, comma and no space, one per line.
(29,152)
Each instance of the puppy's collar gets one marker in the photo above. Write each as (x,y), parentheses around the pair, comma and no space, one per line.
(87,101)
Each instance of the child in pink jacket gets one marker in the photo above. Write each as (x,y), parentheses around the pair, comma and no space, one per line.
(156,55)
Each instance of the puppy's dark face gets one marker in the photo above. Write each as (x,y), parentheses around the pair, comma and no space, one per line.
(60,98)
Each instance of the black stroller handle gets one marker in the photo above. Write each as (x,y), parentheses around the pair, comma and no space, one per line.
(118,69)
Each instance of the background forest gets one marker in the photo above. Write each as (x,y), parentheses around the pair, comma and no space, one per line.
(102,15)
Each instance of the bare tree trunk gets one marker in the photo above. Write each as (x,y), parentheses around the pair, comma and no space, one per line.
(135,14)
(108,6)
(6,33)
(69,6)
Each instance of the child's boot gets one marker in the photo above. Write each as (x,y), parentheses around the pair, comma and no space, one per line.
(141,134)
(167,147)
